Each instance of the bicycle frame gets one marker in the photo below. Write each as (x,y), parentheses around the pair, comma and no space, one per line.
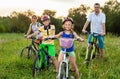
(41,60)
(65,60)
(33,44)
(63,72)
(92,47)
(43,53)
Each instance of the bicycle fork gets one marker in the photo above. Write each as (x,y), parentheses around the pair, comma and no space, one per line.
(89,53)
(63,63)
(65,68)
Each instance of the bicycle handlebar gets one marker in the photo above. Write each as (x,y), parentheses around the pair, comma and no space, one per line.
(60,38)
(47,38)
(94,34)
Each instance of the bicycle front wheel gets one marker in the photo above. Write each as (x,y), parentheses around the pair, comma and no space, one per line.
(63,71)
(88,55)
(31,53)
(36,66)
(25,52)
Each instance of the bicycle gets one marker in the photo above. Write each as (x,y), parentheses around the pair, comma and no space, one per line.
(42,60)
(63,72)
(92,49)
(29,50)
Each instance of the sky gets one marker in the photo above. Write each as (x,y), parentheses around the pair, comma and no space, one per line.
(38,6)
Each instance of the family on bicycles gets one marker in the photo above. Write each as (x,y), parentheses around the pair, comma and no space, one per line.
(44,30)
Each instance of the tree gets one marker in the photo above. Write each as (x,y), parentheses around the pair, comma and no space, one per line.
(112,11)
(16,22)
(58,24)
(49,12)
(29,13)
(79,16)
(5,24)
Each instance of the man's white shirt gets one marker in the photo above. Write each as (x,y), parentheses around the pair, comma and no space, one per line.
(96,22)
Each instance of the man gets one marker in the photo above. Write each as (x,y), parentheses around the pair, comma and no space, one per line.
(97,20)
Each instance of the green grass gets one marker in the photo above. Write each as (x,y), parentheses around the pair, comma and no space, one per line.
(14,67)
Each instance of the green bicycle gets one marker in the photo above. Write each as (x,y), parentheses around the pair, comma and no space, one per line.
(42,60)
(92,49)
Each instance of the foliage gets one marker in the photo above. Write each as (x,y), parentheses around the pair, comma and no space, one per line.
(18,22)
(49,12)
(79,16)
(112,11)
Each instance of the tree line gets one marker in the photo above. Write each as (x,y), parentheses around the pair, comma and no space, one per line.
(19,22)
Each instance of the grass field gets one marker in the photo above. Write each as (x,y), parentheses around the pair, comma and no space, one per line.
(14,67)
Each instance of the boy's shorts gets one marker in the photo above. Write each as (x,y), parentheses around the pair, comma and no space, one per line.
(51,48)
(69,53)
(100,40)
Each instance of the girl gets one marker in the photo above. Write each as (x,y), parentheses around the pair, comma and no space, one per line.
(69,33)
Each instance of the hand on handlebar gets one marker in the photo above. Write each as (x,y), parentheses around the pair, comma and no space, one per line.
(102,34)
(84,31)
(49,37)
(80,39)
(25,35)
(28,36)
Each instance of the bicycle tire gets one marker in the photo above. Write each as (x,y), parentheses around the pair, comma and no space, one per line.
(31,53)
(89,55)
(24,53)
(36,68)
(63,71)
(97,51)
(27,52)
(48,61)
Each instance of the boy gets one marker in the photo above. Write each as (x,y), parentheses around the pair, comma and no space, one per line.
(47,30)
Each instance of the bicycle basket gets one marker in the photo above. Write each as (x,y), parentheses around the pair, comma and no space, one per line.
(66,42)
